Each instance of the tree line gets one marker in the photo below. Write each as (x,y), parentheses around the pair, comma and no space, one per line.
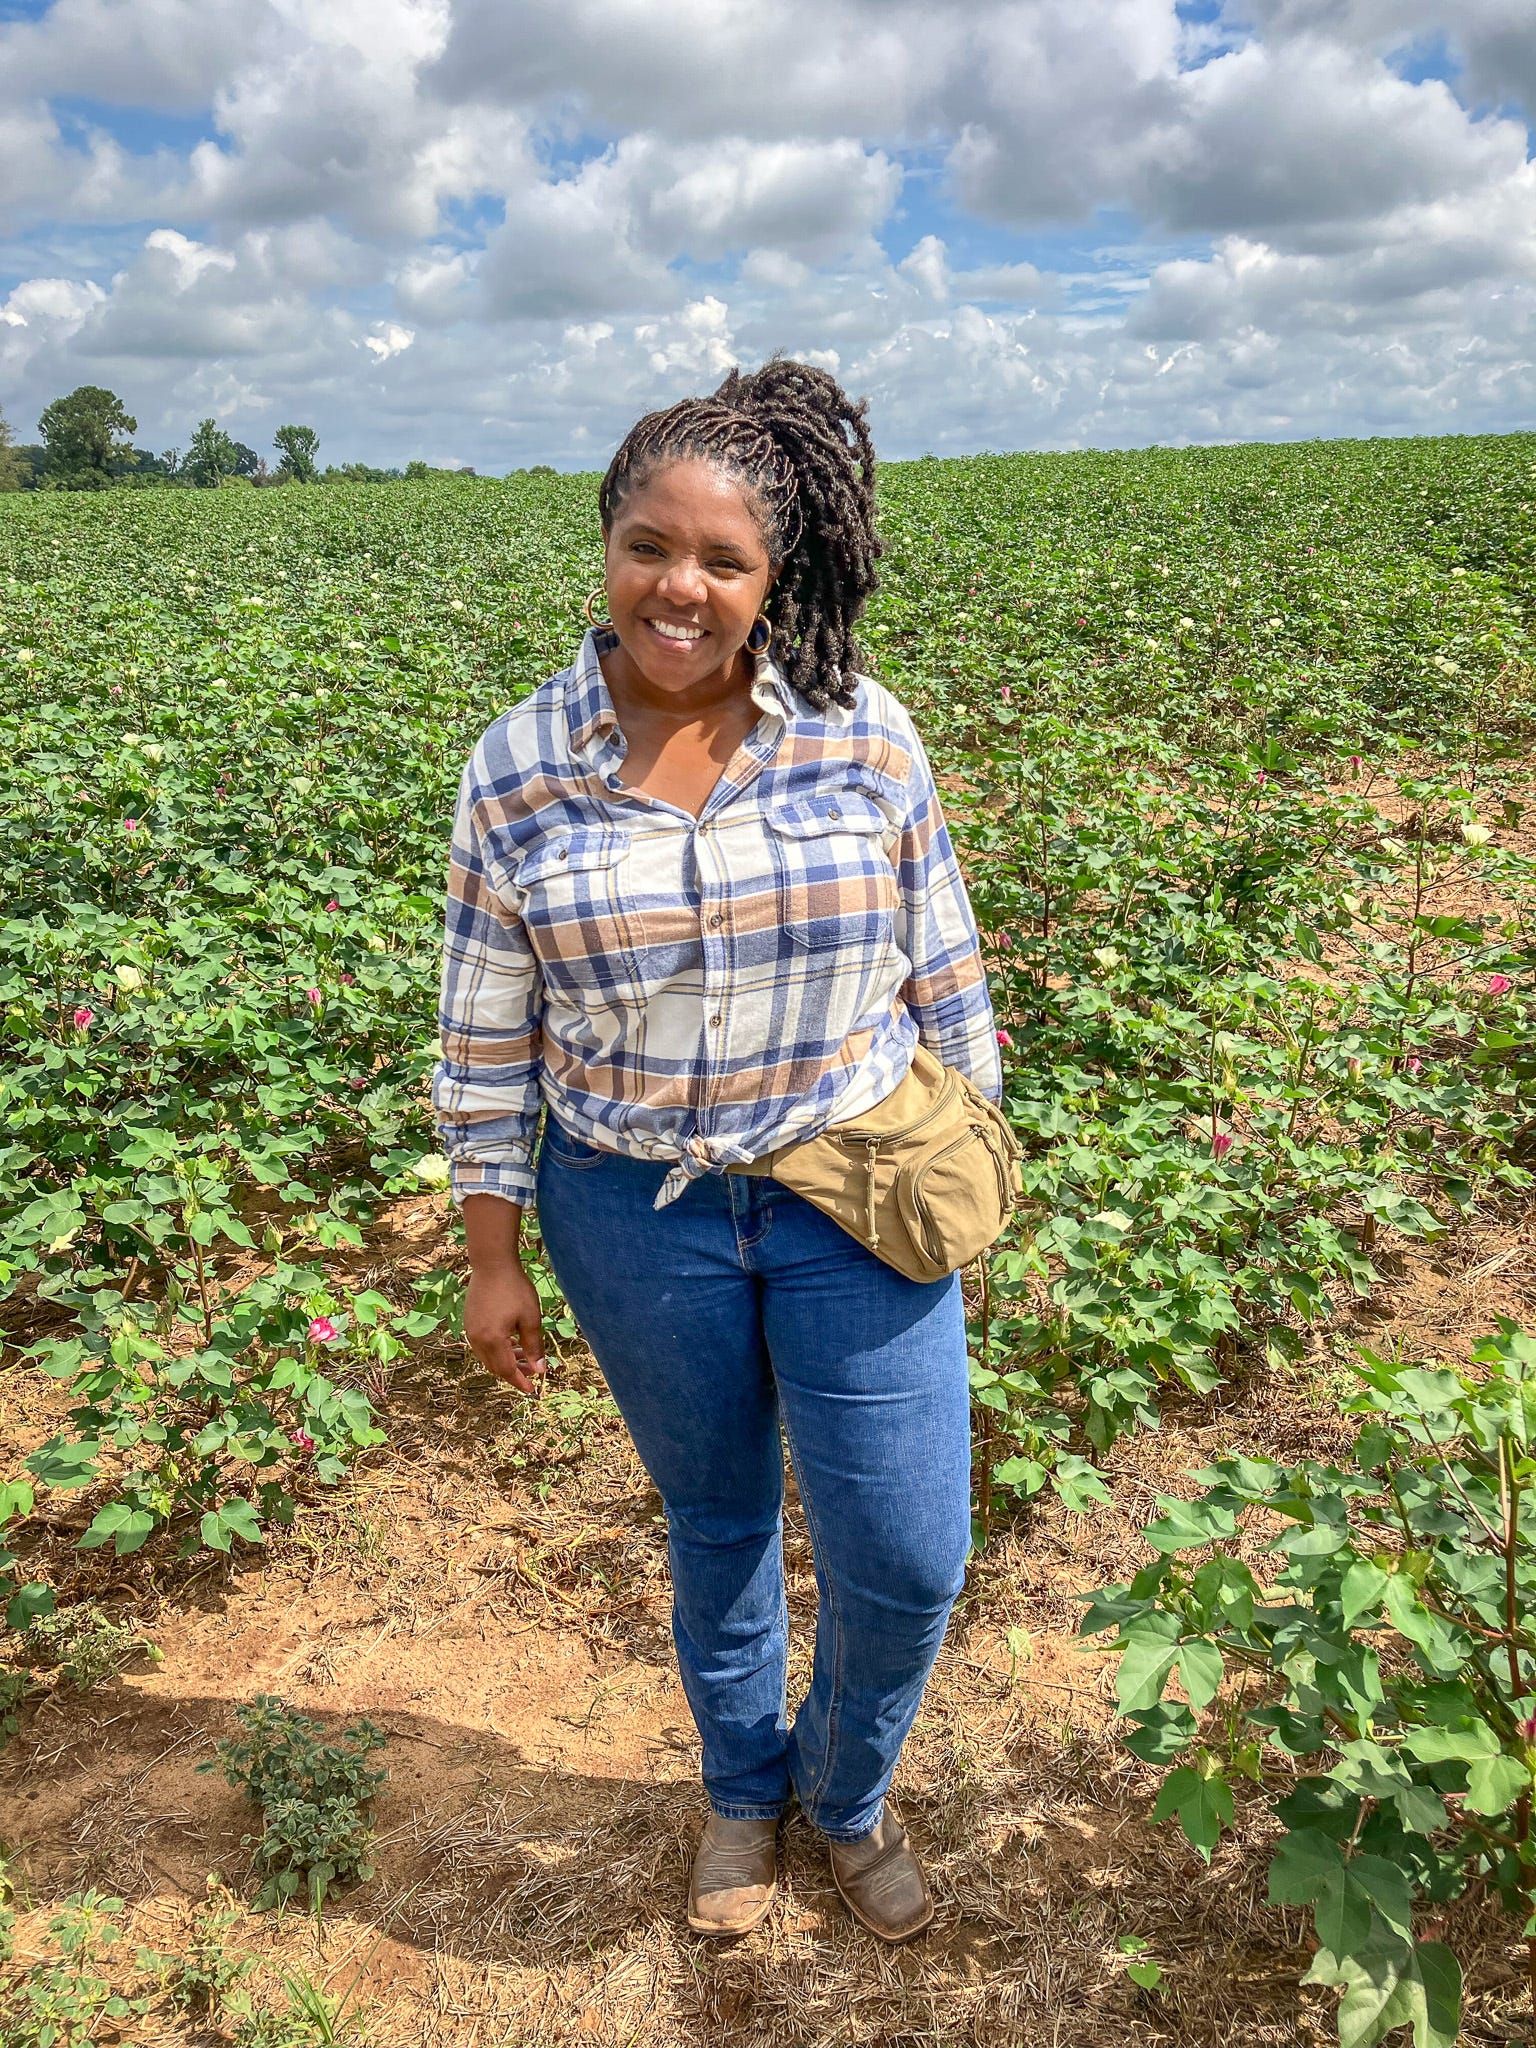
(87,444)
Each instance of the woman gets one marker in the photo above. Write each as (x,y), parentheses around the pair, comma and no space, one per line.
(702,904)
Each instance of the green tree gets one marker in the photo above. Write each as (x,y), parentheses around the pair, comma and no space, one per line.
(298,447)
(211,457)
(89,438)
(13,473)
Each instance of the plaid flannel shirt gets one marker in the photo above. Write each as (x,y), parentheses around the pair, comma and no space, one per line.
(698,991)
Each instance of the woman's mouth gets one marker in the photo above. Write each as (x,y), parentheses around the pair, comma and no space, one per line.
(682,637)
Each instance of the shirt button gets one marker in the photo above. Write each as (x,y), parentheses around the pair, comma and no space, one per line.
(565,853)
(716,921)
(834,812)
(716,1018)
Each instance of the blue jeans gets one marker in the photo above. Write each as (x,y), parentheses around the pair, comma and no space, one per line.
(735,1309)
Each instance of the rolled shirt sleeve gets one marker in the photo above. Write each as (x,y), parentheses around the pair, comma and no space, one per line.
(485,1088)
(946,991)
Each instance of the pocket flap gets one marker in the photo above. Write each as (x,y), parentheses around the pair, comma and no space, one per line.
(576,848)
(812,817)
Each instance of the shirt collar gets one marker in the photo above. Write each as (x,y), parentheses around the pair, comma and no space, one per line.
(589,708)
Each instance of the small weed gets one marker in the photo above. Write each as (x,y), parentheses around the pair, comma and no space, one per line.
(203,1975)
(14,1687)
(312,1796)
(63,2000)
(1145,1975)
(310,2018)
(86,1644)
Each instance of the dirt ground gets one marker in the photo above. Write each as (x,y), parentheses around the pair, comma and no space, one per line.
(491,1591)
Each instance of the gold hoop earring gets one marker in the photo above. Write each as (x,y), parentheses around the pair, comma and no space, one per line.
(592,597)
(760,634)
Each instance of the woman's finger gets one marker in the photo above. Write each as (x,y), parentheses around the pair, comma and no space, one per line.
(500,1356)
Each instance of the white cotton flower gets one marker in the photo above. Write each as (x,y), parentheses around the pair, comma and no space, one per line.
(432,1170)
(128,978)
(1475,834)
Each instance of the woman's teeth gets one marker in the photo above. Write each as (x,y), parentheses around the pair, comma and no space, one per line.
(675,632)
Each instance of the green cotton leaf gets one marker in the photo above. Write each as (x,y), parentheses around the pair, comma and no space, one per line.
(28,1604)
(1375,1773)
(1465,1745)
(1342,1913)
(1494,1783)
(1362,1587)
(1166,1731)
(127,1527)
(1185,1524)
(1388,1888)
(1200,1668)
(213,1532)
(1283,1346)
(1440,1975)
(1078,1485)
(60,1358)
(16,1498)
(1203,1805)
(240,1517)
(1420,1809)
(1151,1645)
(1411,1618)
(200,1228)
(1023,1475)
(1321,1539)
(1389,1983)
(1224,1584)
(1305,1862)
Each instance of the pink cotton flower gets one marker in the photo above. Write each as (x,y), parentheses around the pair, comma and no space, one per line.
(346,979)
(1082,622)
(1006,694)
(1499,984)
(117,690)
(359,1082)
(1004,1038)
(303,1439)
(313,994)
(1354,764)
(323,1331)
(1414,1065)
(84,1018)
(333,904)
(1263,775)
(1221,1145)
(130,824)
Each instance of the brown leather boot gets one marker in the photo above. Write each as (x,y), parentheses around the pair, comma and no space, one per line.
(735,1875)
(881,1880)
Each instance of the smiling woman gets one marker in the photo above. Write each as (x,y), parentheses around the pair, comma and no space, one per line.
(704,918)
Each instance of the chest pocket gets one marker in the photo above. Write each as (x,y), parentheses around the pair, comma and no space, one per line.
(573,906)
(836,886)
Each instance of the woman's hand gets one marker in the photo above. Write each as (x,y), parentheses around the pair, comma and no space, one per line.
(503,1325)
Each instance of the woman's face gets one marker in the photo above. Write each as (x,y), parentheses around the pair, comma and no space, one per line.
(687,572)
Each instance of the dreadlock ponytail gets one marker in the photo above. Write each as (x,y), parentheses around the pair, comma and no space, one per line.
(800,448)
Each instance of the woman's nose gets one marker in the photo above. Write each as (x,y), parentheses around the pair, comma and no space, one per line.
(683,582)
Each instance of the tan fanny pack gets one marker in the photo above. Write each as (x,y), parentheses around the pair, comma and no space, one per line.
(926,1179)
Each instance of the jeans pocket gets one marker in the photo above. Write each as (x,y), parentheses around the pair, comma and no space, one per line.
(562,1148)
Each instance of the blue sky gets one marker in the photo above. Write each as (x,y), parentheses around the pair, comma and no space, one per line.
(475,233)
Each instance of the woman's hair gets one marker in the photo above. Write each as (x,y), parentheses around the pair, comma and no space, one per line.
(800,449)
